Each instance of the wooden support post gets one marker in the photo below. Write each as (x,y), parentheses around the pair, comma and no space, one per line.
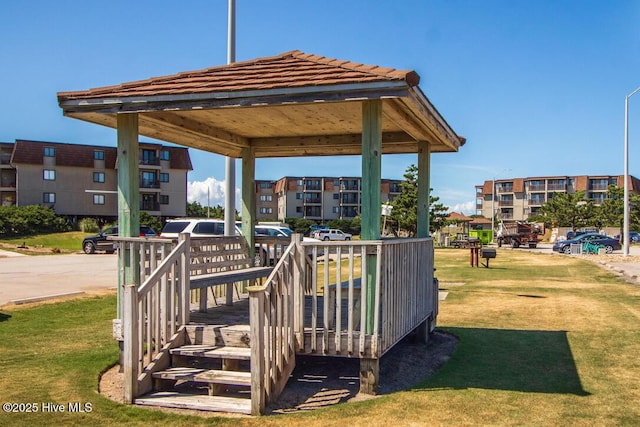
(130,351)
(424,166)
(371,205)
(258,363)
(185,278)
(248,207)
(369,376)
(128,198)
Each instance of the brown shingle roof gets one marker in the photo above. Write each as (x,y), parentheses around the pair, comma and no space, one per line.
(288,70)
(77,155)
(32,152)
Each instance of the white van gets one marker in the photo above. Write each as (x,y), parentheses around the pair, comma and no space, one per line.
(196,227)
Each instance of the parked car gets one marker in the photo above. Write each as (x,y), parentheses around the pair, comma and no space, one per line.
(99,242)
(196,227)
(634,237)
(608,243)
(331,234)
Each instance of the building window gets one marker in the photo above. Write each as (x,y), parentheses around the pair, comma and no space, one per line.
(336,182)
(336,209)
(49,152)
(299,196)
(49,175)
(98,177)
(48,197)
(164,199)
(266,198)
(298,209)
(266,210)
(336,196)
(98,199)
(149,157)
(164,155)
(265,185)
(299,183)
(164,177)
(98,155)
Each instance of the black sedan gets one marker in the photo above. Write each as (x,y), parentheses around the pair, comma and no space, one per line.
(608,243)
(99,241)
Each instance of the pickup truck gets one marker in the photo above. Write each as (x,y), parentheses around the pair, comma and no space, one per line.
(331,234)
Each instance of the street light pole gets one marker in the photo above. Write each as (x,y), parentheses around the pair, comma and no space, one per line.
(625,233)
(493,209)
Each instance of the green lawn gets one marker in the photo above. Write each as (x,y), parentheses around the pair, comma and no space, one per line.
(67,242)
(544,340)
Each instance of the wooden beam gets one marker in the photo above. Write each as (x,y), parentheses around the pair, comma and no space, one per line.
(394,112)
(198,128)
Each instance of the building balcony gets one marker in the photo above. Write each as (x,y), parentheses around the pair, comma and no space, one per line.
(505,202)
(150,184)
(535,202)
(599,187)
(556,187)
(150,162)
(314,201)
(149,206)
(505,215)
(356,188)
(536,187)
(505,189)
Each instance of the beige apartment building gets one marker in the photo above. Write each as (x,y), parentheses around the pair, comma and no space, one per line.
(517,199)
(316,198)
(81,180)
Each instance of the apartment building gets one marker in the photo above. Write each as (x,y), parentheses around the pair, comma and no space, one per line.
(519,198)
(81,180)
(315,198)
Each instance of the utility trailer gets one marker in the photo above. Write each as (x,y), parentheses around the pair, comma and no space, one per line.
(518,233)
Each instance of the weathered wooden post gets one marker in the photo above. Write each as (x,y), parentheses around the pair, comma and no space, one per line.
(370,228)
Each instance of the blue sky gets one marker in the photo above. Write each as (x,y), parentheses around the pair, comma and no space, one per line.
(537,87)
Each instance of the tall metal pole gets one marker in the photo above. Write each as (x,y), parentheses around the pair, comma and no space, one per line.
(230,162)
(625,232)
(493,209)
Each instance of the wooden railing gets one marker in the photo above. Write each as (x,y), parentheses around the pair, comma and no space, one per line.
(276,310)
(153,312)
(398,296)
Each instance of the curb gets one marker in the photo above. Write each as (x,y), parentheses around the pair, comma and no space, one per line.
(44,298)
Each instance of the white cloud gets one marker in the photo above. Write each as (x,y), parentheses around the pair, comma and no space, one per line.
(209,192)
(467,208)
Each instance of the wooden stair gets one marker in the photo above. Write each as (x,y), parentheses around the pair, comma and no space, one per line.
(211,372)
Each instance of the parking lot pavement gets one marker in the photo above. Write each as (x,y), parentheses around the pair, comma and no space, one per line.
(33,278)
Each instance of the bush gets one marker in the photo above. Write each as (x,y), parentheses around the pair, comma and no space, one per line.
(89,225)
(29,220)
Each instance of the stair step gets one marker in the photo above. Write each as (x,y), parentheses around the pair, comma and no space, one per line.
(170,399)
(231,335)
(239,353)
(210,376)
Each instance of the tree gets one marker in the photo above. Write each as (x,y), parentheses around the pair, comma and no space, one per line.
(151,221)
(405,206)
(568,210)
(611,211)
(196,210)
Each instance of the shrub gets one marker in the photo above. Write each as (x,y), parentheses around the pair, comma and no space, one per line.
(89,225)
(28,220)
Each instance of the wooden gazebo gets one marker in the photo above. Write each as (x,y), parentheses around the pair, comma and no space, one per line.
(290,105)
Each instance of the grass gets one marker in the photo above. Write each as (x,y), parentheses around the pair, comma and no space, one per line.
(67,242)
(544,340)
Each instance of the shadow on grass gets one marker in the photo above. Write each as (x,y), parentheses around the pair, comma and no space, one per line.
(4,317)
(502,359)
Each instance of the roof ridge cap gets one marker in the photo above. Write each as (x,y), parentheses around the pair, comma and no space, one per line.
(410,76)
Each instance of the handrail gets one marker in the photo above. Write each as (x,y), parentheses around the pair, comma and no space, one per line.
(153,312)
(274,308)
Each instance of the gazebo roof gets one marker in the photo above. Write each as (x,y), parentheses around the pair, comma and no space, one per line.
(459,217)
(293,104)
